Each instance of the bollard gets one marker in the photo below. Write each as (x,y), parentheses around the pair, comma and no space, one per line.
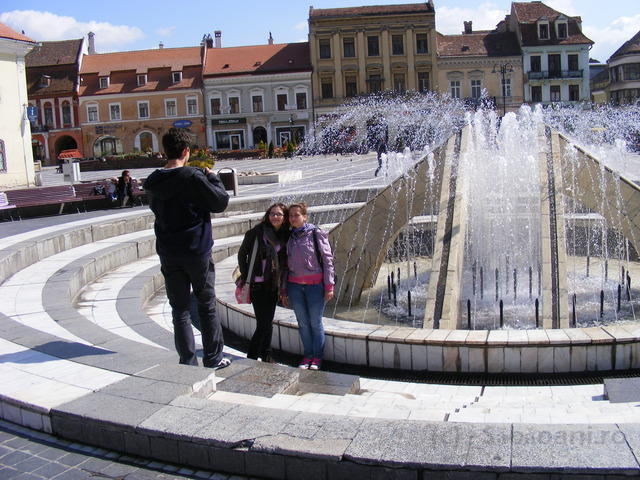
(481,283)
(606,270)
(398,276)
(530,282)
(539,280)
(601,303)
(497,284)
(588,262)
(395,296)
(393,282)
(468,314)
(619,295)
(628,286)
(501,314)
(573,317)
(515,284)
(389,286)
(537,313)
(622,267)
(473,277)
(415,269)
(409,301)
(506,276)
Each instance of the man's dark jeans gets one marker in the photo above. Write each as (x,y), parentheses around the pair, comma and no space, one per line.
(199,273)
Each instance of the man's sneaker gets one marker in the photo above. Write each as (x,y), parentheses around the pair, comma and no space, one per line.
(315,364)
(225,362)
(305,363)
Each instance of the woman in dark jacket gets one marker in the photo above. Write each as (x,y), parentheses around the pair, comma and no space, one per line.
(270,237)
(125,189)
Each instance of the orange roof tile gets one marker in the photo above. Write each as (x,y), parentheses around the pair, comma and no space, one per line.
(258,59)
(7,32)
(489,44)
(104,63)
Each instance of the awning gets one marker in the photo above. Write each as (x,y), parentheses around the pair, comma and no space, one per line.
(71,153)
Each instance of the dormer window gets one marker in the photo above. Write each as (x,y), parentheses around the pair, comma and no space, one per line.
(45,81)
(543,30)
(176,77)
(562,29)
(142,79)
(104,82)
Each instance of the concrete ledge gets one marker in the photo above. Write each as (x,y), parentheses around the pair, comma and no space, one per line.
(270,177)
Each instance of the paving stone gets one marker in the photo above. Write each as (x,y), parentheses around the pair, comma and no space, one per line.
(147,390)
(180,374)
(97,465)
(600,449)
(263,379)
(316,448)
(15,457)
(620,390)
(72,459)
(50,469)
(30,464)
(74,474)
(52,453)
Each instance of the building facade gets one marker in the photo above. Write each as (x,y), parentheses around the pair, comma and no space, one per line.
(361,50)
(256,94)
(129,99)
(16,157)
(555,53)
(52,82)
(480,63)
(624,72)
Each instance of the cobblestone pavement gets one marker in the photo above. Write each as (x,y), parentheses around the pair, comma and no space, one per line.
(27,454)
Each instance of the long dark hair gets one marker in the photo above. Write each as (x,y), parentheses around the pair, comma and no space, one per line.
(285,212)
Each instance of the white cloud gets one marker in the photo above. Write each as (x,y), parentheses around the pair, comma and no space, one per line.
(611,37)
(449,20)
(166,31)
(42,26)
(564,6)
(301,25)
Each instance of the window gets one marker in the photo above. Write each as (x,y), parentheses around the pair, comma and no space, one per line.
(192,106)
(631,71)
(555,70)
(573,62)
(176,77)
(399,83)
(170,107)
(454,88)
(562,30)
(543,31)
(92,113)
(104,82)
(325,47)
(375,83)
(349,46)
(536,93)
(301,100)
(536,63)
(45,81)
(326,87)
(373,46)
(421,43)
(114,111)
(215,106)
(256,102)
(143,109)
(3,158)
(142,79)
(351,85)
(555,93)
(476,88)
(281,101)
(506,87)
(234,104)
(48,115)
(146,141)
(574,93)
(423,81)
(66,113)
(397,45)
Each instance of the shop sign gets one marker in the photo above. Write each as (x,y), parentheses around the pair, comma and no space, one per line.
(229,121)
(182,123)
(107,129)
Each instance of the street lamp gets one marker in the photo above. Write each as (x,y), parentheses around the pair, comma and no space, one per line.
(503,68)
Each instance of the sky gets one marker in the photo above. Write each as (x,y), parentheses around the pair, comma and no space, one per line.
(134,25)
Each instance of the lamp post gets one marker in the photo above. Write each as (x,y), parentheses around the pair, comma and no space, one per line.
(503,68)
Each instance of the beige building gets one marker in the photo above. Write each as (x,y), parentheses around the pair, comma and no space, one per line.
(479,63)
(129,99)
(360,50)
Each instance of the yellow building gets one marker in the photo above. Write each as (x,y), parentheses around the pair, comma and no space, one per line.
(361,50)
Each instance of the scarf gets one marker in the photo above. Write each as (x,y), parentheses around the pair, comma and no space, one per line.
(272,271)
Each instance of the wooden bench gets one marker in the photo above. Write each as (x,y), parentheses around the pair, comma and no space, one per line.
(89,194)
(42,197)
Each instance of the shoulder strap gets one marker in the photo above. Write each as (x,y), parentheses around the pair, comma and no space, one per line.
(253,259)
(316,248)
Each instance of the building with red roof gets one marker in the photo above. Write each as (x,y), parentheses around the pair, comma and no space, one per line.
(258,93)
(129,99)
(16,157)
(52,82)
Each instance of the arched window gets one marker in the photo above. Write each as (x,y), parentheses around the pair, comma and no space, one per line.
(107,146)
(48,115)
(146,141)
(66,113)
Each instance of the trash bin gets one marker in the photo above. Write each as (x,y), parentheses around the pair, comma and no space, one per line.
(229,178)
(38,179)
(71,172)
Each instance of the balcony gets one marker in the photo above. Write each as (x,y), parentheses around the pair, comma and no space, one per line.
(548,74)
(39,128)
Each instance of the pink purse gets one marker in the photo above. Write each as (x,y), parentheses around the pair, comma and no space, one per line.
(243,290)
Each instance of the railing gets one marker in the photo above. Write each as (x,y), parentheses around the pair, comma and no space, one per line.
(555,74)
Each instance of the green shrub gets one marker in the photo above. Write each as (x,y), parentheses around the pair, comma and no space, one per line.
(270,151)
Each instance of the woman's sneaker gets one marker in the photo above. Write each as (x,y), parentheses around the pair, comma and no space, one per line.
(305,363)
(315,364)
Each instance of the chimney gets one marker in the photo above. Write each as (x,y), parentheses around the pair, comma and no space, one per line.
(218,35)
(468,27)
(270,39)
(92,43)
(209,41)
(161,46)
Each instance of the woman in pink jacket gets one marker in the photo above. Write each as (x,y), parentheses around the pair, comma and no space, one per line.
(310,281)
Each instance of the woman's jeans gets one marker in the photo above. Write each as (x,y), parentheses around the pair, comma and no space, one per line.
(264,301)
(308,304)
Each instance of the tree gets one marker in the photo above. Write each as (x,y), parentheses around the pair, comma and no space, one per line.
(270,152)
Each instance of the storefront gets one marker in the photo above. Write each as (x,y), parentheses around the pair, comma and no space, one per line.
(229,133)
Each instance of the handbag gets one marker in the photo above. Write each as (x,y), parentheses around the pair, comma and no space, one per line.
(243,290)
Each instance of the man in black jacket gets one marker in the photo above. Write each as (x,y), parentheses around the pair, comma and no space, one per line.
(182,199)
